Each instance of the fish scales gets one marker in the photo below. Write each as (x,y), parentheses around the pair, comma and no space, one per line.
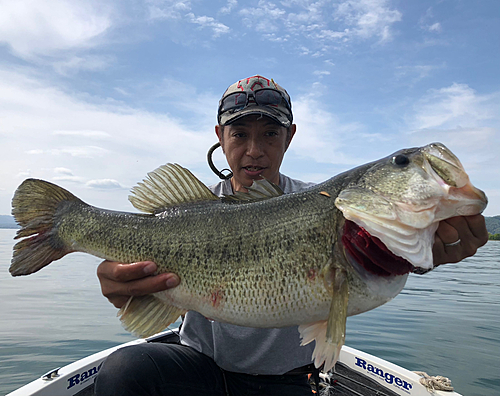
(283,255)
(261,259)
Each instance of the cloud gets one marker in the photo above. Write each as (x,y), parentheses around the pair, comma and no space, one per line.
(456,105)
(67,138)
(75,64)
(34,28)
(106,184)
(427,22)
(472,138)
(75,179)
(435,27)
(264,18)
(322,136)
(231,4)
(324,25)
(368,18)
(99,135)
(459,116)
(468,123)
(63,171)
(66,175)
(182,11)
(210,23)
(313,27)
(83,151)
(412,74)
(168,9)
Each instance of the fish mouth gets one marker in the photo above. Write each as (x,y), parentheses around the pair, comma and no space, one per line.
(371,254)
(449,173)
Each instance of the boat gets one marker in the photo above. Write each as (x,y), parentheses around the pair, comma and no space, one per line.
(356,374)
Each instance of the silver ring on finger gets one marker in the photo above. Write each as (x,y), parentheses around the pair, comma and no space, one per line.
(456,243)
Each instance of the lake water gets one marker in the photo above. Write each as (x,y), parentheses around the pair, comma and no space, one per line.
(445,323)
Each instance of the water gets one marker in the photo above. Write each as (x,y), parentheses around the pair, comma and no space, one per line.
(445,323)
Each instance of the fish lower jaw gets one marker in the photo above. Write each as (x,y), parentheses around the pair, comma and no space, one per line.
(454,206)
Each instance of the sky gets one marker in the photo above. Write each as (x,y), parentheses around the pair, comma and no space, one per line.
(94,94)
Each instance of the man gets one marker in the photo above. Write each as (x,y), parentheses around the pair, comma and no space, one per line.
(254,129)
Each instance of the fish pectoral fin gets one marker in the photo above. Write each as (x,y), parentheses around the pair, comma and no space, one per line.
(167,186)
(258,191)
(145,316)
(329,334)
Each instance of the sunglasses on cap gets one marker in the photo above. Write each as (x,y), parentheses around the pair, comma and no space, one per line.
(262,97)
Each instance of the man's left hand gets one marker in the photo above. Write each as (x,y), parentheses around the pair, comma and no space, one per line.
(470,230)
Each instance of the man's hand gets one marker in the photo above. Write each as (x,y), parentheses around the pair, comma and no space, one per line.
(120,281)
(470,230)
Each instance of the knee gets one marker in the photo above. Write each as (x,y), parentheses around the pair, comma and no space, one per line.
(123,369)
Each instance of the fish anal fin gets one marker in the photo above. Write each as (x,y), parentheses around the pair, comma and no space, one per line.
(329,335)
(167,186)
(145,316)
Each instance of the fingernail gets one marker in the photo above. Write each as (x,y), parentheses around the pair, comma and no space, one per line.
(171,282)
(150,268)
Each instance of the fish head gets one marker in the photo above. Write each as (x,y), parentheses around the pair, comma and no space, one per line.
(393,207)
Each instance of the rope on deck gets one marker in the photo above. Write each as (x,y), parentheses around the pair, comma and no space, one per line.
(434,383)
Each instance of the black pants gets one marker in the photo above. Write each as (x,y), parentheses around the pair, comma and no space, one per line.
(158,369)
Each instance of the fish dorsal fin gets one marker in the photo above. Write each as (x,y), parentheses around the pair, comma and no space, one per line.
(258,191)
(169,185)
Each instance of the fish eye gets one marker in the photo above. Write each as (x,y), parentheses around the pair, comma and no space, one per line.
(400,160)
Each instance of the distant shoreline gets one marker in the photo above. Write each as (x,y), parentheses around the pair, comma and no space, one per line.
(8,222)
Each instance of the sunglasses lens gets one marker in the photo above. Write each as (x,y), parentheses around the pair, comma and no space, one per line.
(234,101)
(268,97)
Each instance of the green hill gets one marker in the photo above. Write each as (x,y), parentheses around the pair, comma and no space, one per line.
(493,224)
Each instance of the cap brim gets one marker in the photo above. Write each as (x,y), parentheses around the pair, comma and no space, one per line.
(228,118)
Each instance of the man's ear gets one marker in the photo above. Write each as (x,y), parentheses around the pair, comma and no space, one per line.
(219,131)
(290,134)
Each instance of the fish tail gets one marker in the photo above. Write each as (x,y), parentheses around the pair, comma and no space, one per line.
(34,206)
(147,315)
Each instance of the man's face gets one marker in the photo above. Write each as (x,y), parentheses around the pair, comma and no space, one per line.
(254,146)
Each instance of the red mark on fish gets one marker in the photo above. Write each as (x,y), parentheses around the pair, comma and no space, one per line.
(217,297)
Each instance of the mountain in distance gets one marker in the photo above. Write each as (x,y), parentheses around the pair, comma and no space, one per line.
(492,223)
(7,221)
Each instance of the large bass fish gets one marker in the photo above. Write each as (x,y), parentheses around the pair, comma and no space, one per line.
(261,259)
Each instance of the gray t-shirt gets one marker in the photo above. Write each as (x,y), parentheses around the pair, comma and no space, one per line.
(247,349)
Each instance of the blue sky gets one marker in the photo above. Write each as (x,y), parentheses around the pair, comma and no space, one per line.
(95,94)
